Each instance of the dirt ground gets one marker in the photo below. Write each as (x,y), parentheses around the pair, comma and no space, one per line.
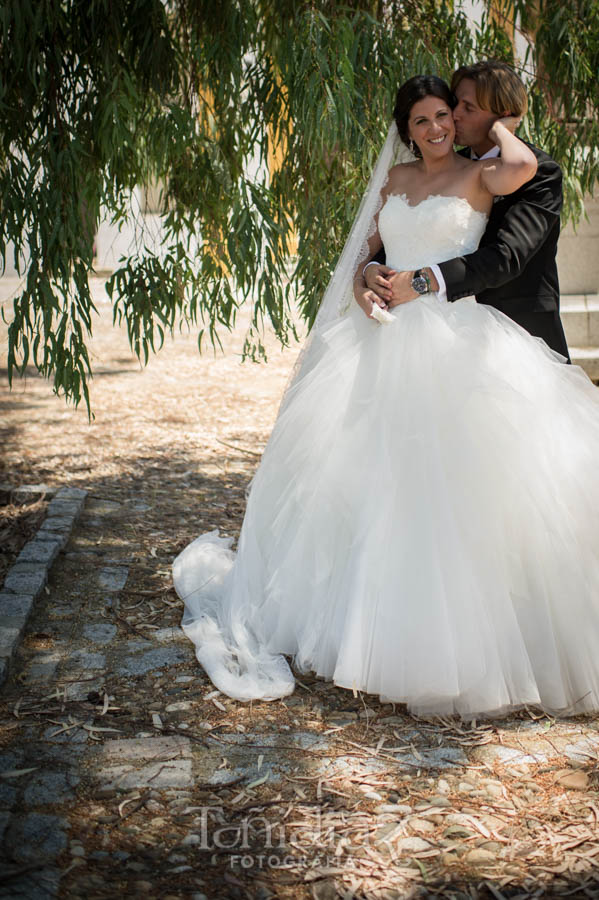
(519,818)
(181,413)
(184,413)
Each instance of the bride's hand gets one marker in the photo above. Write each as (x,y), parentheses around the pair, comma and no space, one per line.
(376,279)
(509,122)
(366,299)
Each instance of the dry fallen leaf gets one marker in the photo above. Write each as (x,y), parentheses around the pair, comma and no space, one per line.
(15,773)
(257,781)
(573,779)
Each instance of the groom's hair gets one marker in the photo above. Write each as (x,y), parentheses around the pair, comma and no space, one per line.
(498,88)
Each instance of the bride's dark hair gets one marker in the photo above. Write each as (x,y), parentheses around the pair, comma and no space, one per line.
(413,90)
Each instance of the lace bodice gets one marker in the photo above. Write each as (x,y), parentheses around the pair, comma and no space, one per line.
(436,229)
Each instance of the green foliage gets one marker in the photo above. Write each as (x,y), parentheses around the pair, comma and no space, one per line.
(261,120)
(565,98)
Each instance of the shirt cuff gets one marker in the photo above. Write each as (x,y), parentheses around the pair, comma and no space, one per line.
(442,292)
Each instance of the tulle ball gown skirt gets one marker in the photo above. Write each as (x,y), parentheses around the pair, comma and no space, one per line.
(424,525)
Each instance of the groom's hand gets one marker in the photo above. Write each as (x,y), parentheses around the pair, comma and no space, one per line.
(402,290)
(391,286)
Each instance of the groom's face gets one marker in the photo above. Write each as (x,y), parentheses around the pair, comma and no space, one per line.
(472,123)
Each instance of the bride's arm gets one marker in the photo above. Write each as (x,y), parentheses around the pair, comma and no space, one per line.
(516,165)
(366,298)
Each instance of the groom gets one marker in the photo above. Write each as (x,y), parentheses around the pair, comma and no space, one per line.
(514,269)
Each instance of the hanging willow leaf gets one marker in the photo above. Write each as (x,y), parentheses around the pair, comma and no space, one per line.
(259,120)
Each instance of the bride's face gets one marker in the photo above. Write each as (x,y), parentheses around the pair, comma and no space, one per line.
(431,126)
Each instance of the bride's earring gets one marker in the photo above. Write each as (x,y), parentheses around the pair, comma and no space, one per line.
(412,147)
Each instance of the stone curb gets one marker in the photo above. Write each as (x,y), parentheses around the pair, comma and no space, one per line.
(31,492)
(27,577)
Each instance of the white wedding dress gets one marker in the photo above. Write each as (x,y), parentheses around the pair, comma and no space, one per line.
(424,524)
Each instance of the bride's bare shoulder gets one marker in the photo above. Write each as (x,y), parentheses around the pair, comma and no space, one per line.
(400,177)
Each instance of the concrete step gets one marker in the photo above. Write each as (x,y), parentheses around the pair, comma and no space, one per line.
(580,315)
(588,359)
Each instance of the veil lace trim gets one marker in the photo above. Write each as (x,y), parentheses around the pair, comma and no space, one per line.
(339,296)
(339,293)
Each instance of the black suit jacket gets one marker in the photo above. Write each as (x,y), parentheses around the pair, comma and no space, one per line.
(514,268)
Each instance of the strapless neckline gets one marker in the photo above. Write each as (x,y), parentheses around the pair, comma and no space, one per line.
(403,197)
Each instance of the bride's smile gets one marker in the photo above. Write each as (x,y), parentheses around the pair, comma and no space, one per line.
(431,126)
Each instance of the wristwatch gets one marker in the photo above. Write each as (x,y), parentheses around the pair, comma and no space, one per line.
(421,282)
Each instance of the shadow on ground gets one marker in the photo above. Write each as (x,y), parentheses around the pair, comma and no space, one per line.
(137,777)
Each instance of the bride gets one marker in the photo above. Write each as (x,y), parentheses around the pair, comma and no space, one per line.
(424,521)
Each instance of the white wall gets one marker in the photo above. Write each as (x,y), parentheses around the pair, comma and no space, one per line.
(578,254)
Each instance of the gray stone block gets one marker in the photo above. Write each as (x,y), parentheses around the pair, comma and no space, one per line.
(153,659)
(55,529)
(12,622)
(8,796)
(58,507)
(55,536)
(10,637)
(43,670)
(65,612)
(11,759)
(583,750)
(100,633)
(302,740)
(58,523)
(34,491)
(79,690)
(276,759)
(4,820)
(75,736)
(15,605)
(71,493)
(39,884)
(49,787)
(133,645)
(171,773)
(167,635)
(113,578)
(435,758)
(25,492)
(83,659)
(61,752)
(147,748)
(28,568)
(37,837)
(6,490)
(26,578)
(43,551)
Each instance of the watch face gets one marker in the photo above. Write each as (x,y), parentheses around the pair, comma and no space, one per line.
(419,284)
